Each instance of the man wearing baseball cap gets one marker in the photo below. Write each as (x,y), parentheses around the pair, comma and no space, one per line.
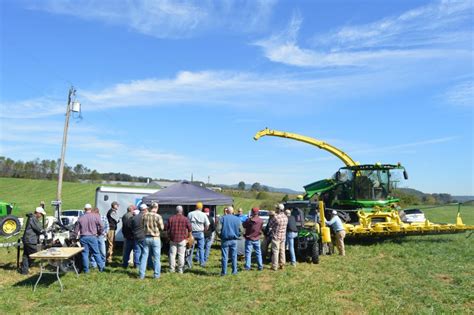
(199,223)
(113,217)
(89,227)
(138,231)
(336,224)
(253,229)
(31,237)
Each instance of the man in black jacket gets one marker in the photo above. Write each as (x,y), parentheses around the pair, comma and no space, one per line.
(138,231)
(113,218)
(128,243)
(31,237)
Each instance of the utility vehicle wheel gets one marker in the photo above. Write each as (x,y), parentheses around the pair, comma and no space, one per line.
(315,253)
(9,225)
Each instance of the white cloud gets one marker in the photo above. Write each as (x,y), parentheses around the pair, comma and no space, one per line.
(461,94)
(166,18)
(433,31)
(206,88)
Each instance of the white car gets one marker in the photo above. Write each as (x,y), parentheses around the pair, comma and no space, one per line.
(412,216)
(264,215)
(70,217)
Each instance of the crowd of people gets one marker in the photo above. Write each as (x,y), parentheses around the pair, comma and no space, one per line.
(191,236)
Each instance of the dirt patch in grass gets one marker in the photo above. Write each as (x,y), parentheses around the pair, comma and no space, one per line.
(444,278)
(344,299)
(265,283)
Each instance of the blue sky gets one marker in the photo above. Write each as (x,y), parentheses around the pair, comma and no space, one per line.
(170,88)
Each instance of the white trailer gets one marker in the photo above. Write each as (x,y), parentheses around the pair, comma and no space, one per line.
(104,196)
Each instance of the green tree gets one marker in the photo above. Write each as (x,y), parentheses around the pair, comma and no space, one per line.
(241,185)
(256,187)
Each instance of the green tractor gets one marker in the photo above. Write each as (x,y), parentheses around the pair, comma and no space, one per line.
(308,245)
(9,224)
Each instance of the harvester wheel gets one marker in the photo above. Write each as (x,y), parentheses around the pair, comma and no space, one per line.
(315,253)
(9,225)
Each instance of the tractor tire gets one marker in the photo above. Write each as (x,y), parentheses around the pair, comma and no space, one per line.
(9,225)
(315,253)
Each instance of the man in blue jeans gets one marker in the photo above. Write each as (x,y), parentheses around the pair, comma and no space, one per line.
(152,224)
(253,229)
(291,234)
(89,228)
(138,232)
(229,230)
(101,238)
(199,223)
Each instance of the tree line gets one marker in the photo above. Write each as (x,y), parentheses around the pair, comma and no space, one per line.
(49,169)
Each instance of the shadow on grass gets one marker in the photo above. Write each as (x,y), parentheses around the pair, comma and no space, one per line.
(9,266)
(46,281)
(396,240)
(201,272)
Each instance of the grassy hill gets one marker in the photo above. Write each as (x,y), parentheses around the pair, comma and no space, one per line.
(28,193)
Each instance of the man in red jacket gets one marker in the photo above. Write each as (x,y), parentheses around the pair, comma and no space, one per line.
(178,228)
(253,229)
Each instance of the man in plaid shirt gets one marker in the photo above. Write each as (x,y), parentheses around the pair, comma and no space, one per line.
(152,224)
(278,231)
(178,228)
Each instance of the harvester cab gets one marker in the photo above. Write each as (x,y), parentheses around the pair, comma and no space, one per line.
(359,188)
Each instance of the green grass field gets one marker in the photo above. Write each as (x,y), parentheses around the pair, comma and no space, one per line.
(415,275)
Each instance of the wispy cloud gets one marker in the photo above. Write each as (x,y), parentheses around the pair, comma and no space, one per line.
(410,145)
(166,18)
(421,33)
(461,94)
(204,88)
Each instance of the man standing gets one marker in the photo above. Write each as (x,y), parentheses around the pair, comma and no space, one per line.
(138,231)
(267,236)
(208,235)
(291,234)
(178,228)
(89,227)
(253,229)
(229,231)
(278,231)
(112,216)
(152,224)
(101,237)
(240,214)
(336,224)
(199,223)
(128,244)
(31,237)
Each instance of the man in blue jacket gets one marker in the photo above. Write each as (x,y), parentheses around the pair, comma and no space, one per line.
(229,230)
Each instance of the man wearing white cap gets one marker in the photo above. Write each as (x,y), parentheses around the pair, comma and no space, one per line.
(31,237)
(138,231)
(336,224)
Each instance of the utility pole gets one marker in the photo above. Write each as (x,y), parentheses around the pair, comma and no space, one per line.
(70,104)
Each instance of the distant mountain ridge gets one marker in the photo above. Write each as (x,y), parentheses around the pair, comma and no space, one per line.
(270,188)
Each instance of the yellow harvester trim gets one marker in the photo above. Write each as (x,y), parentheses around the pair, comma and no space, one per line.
(325,231)
(381,223)
(348,161)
